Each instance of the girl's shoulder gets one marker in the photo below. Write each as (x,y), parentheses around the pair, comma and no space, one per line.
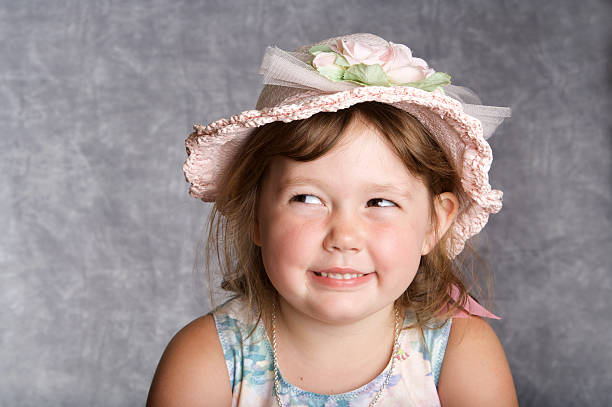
(475,371)
(190,372)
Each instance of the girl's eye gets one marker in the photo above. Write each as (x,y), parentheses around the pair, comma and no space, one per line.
(307,199)
(380,203)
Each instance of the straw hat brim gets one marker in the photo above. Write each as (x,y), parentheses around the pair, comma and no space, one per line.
(211,148)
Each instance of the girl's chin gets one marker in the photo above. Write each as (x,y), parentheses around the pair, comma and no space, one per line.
(342,312)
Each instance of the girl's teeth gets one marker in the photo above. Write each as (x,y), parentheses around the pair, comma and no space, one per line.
(341,276)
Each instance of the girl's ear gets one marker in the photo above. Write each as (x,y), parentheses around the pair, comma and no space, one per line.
(446,206)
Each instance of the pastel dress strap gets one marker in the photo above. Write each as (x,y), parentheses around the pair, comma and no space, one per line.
(248,356)
(435,342)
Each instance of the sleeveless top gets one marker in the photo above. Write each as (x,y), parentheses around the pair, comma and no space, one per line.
(250,366)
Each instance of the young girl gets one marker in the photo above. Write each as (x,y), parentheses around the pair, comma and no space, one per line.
(341,204)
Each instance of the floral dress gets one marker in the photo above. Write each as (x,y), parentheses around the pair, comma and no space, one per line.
(251,371)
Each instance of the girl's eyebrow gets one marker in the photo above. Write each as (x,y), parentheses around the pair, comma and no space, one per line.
(286,183)
(403,189)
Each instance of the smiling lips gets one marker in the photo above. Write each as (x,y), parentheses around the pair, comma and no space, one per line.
(341,278)
(339,274)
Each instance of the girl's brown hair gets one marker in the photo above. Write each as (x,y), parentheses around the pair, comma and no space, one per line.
(233,215)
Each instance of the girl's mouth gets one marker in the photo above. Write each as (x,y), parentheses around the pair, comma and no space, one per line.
(339,276)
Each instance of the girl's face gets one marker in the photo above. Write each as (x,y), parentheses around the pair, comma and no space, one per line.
(341,236)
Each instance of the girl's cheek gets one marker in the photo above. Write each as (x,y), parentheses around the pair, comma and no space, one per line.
(393,241)
(290,234)
(300,219)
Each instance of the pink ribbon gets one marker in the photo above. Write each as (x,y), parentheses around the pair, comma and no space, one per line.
(471,306)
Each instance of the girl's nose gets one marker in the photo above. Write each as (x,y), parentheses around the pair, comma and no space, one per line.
(345,233)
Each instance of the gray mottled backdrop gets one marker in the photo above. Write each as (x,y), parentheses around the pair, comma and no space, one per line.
(98,233)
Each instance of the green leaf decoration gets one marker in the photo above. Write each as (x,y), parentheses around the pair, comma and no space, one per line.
(367,75)
(333,72)
(432,82)
(340,60)
(320,48)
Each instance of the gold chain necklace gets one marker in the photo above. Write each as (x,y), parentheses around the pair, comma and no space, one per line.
(378,395)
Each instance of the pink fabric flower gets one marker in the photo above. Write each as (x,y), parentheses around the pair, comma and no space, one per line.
(396,60)
(401,67)
(357,52)
(324,59)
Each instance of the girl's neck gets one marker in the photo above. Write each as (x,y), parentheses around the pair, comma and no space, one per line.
(322,357)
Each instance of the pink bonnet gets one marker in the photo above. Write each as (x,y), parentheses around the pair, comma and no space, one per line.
(339,72)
